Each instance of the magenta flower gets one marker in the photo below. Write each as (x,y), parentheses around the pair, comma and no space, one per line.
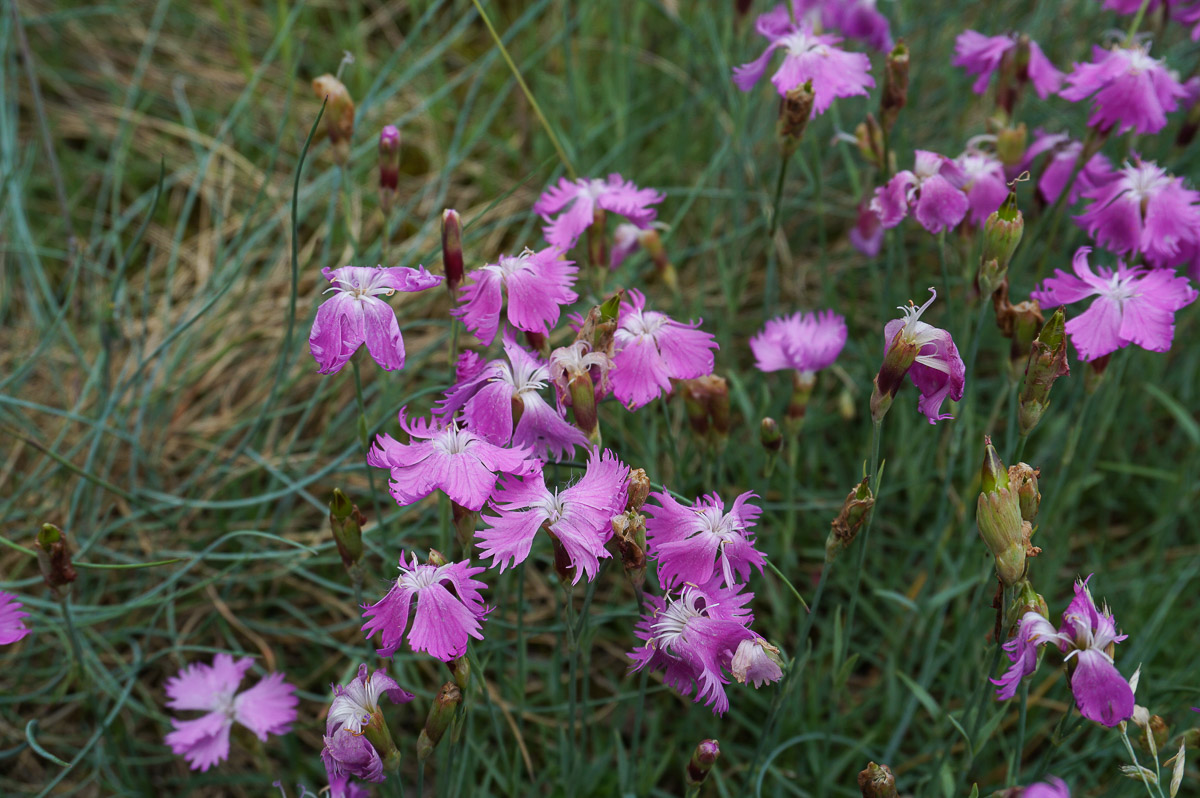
(443,456)
(981,55)
(858,19)
(867,234)
(1060,163)
(833,72)
(806,342)
(354,713)
(355,315)
(930,191)
(1054,788)
(537,285)
(752,664)
(449,609)
(490,398)
(651,349)
(576,361)
(693,638)
(938,371)
(579,517)
(584,195)
(1101,692)
(1132,90)
(983,182)
(1143,209)
(268,707)
(703,543)
(12,619)
(1133,306)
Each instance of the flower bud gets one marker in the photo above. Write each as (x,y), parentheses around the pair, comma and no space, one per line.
(1047,362)
(1154,731)
(998,514)
(803,383)
(770,436)
(897,360)
(703,758)
(445,705)
(465,523)
(339,114)
(795,109)
(452,251)
(895,86)
(346,522)
(870,141)
(1026,321)
(597,245)
(846,407)
(651,241)
(1010,144)
(461,668)
(629,538)
(583,404)
(850,520)
(600,325)
(54,558)
(1025,478)
(1001,234)
(639,489)
(877,781)
(1093,375)
(436,558)
(389,165)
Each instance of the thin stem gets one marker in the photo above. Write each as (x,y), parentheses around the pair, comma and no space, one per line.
(363,427)
(72,634)
(1020,447)
(788,582)
(573,664)
(1137,22)
(876,435)
(779,181)
(1134,760)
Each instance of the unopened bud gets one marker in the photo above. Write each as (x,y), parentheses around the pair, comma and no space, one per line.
(436,558)
(639,489)
(441,714)
(562,560)
(869,136)
(389,165)
(803,383)
(895,86)
(1025,478)
(1154,731)
(703,758)
(1094,374)
(629,538)
(54,558)
(452,251)
(877,781)
(1001,234)
(583,404)
(1026,320)
(846,407)
(850,520)
(460,667)
(718,405)
(339,114)
(1047,362)
(770,436)
(1010,144)
(1026,600)
(346,522)
(597,245)
(1021,57)
(794,112)
(897,360)
(998,514)
(651,241)
(465,523)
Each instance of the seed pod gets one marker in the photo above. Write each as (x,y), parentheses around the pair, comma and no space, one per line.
(54,558)
(895,86)
(850,520)
(877,781)
(339,114)
(794,112)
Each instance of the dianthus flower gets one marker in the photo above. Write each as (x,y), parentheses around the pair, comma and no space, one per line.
(444,456)
(355,315)
(537,285)
(867,234)
(806,342)
(1054,788)
(1132,90)
(1133,305)
(355,729)
(982,180)
(833,71)
(702,543)
(502,391)
(587,195)
(1101,692)
(12,619)
(693,638)
(1143,209)
(857,19)
(576,362)
(449,609)
(930,191)
(1060,164)
(578,517)
(268,707)
(651,349)
(982,55)
(928,356)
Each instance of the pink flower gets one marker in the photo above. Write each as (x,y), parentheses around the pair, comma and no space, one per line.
(982,55)
(867,234)
(577,361)
(930,191)
(355,711)
(355,315)
(12,619)
(1054,788)
(702,542)
(1143,209)
(1132,90)
(1060,163)
(537,285)
(1134,306)
(268,707)
(1101,692)
(754,664)
(693,638)
(442,456)
(938,371)
(806,342)
(490,398)
(858,19)
(983,182)
(651,349)
(584,195)
(833,72)
(449,609)
(579,517)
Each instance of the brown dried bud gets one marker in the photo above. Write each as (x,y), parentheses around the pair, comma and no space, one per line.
(850,520)
(795,109)
(346,522)
(639,489)
(870,141)
(895,86)
(877,781)
(339,114)
(629,537)
(1025,478)
(54,558)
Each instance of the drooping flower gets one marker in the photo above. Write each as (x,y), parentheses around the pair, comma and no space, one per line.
(809,56)
(756,662)
(449,609)
(806,342)
(586,195)
(1054,788)
(268,707)
(355,728)
(12,619)
(536,285)
(502,392)
(443,456)
(693,637)
(928,356)
(579,517)
(1133,305)
(355,315)
(1132,90)
(1143,209)
(702,542)
(1060,163)
(1101,692)
(982,180)
(930,191)
(982,55)
(651,349)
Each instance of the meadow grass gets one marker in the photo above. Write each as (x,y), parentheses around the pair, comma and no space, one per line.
(158,401)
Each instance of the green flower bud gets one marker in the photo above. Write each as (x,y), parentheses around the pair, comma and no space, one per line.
(1001,234)
(998,514)
(441,714)
(1047,362)
(770,436)
(1010,144)
(346,522)
(54,558)
(1025,477)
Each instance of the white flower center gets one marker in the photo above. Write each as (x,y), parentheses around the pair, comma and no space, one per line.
(453,440)
(1139,60)
(420,577)
(801,43)
(670,625)
(1144,181)
(525,378)
(643,323)
(511,264)
(1121,289)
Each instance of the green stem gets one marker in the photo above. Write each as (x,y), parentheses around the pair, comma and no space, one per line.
(788,582)
(1134,760)
(363,427)
(72,634)
(1137,22)
(779,181)
(573,664)
(876,435)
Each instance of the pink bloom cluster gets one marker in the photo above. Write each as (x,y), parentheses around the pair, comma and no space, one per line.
(1061,154)
(930,192)
(981,55)
(857,19)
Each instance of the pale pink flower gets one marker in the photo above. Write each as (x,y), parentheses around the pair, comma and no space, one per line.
(651,349)
(536,285)
(583,196)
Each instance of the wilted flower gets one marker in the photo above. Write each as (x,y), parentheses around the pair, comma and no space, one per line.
(536,284)
(1132,90)
(928,356)
(357,740)
(268,707)
(702,542)
(449,609)
(756,662)
(587,195)
(930,191)
(806,342)
(982,55)
(12,619)
(651,349)
(355,315)
(1133,305)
